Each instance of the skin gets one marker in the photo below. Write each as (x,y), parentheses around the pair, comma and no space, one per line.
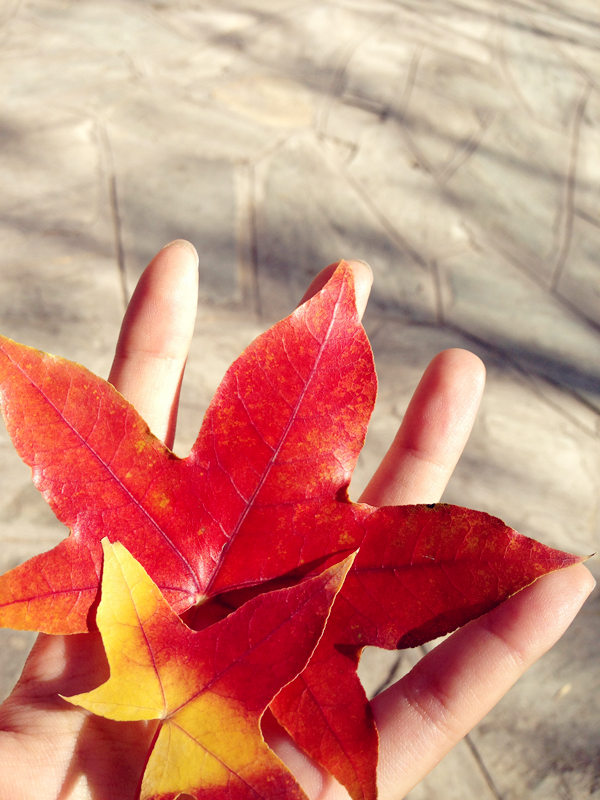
(69,755)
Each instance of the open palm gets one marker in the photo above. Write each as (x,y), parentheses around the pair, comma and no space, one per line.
(50,749)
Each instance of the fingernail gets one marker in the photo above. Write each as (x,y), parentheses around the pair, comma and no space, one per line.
(360,261)
(186,246)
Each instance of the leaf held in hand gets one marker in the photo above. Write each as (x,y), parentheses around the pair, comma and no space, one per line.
(421,572)
(262,495)
(208,689)
(262,492)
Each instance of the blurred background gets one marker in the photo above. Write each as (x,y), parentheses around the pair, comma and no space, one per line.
(455,146)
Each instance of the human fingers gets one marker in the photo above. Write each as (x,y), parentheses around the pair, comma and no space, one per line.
(155,337)
(150,357)
(428,711)
(437,423)
(149,362)
(433,433)
(363,280)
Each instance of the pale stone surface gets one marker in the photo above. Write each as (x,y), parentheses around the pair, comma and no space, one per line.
(452,145)
(585,190)
(176,195)
(270,100)
(579,282)
(519,318)
(308,215)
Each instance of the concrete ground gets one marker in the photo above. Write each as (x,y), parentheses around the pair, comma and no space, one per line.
(453,144)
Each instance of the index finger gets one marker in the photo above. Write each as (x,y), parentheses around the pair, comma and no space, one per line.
(433,433)
(155,337)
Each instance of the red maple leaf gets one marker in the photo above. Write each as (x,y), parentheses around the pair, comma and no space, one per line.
(421,572)
(263,493)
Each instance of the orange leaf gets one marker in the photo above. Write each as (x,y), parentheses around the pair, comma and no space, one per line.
(208,689)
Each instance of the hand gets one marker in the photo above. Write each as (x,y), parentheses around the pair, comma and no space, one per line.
(70,755)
